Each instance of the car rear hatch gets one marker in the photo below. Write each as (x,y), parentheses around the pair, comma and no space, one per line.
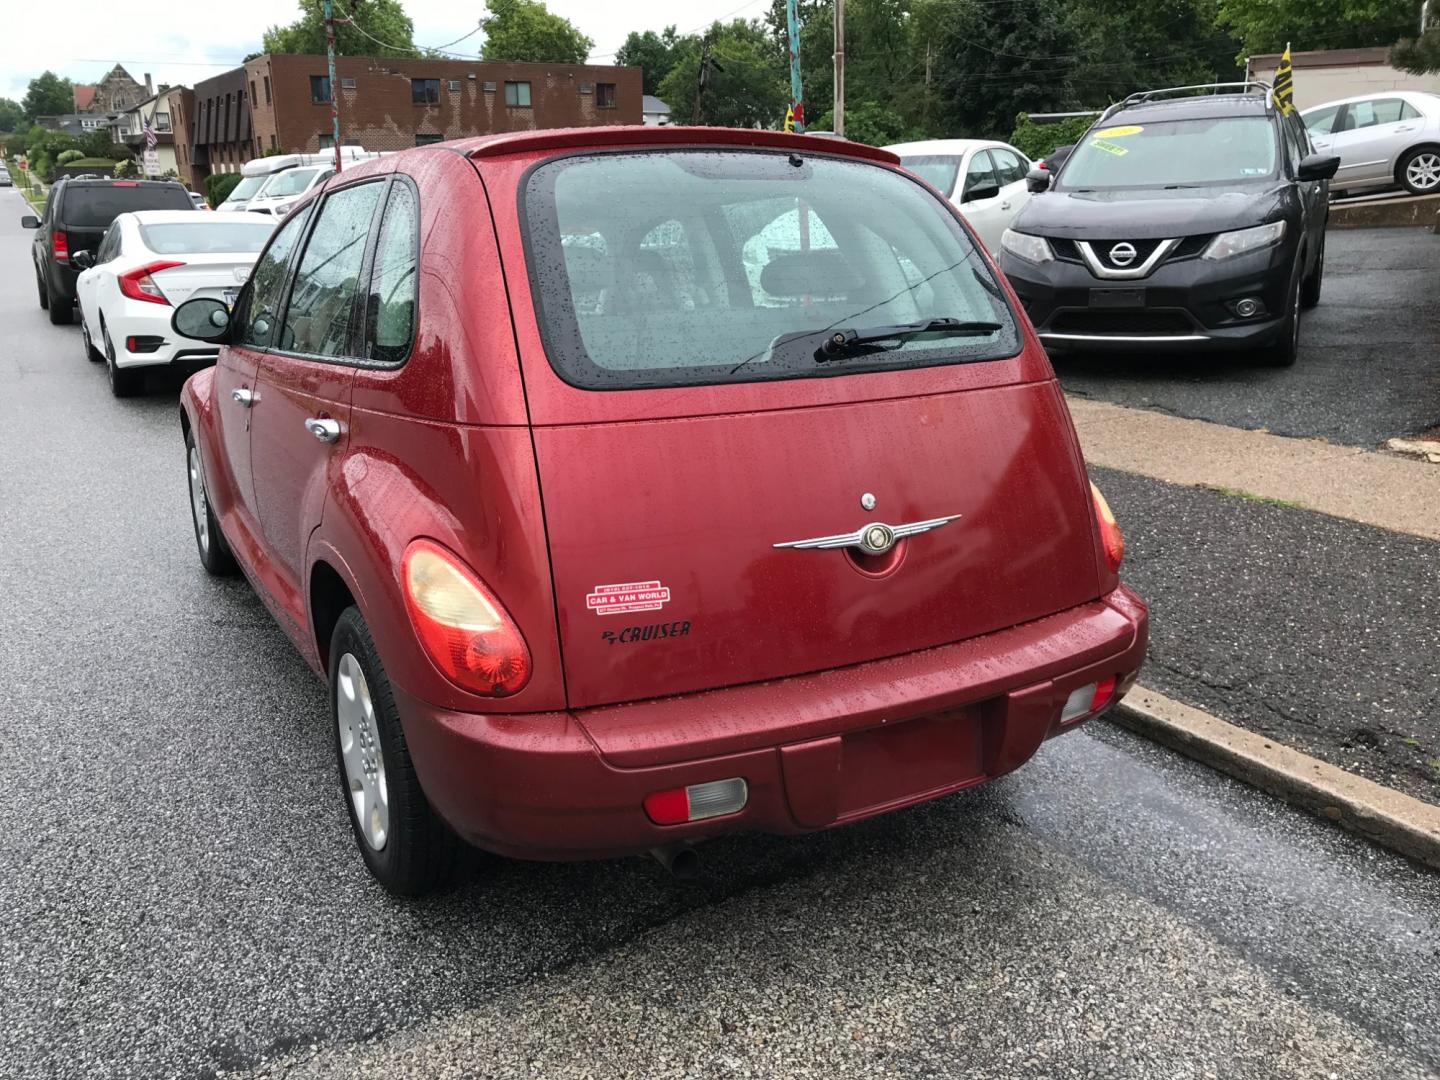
(218,275)
(89,209)
(697,499)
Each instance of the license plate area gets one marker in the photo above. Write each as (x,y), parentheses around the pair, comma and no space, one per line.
(910,758)
(229,296)
(1117,298)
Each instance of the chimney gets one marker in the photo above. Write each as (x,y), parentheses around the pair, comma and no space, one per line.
(149,88)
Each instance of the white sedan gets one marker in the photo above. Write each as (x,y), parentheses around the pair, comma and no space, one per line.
(1383,140)
(148,262)
(984,179)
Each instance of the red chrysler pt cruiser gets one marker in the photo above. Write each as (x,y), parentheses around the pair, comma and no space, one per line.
(631,486)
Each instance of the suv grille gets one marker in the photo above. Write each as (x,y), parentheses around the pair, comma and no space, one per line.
(1159,323)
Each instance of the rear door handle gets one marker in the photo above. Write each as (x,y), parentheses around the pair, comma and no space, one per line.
(243,396)
(327,431)
(1005,205)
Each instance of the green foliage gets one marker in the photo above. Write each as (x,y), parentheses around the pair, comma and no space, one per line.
(652,53)
(218,187)
(382,20)
(15,144)
(870,122)
(1418,56)
(65,157)
(526,30)
(12,116)
(126,168)
(99,144)
(1036,141)
(1316,24)
(48,95)
(747,85)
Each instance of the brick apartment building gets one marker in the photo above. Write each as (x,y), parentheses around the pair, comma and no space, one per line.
(393,104)
(216,127)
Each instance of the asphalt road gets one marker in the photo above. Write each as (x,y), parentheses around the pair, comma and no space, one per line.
(1360,378)
(180,895)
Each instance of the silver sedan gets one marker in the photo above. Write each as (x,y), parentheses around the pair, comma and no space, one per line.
(1389,139)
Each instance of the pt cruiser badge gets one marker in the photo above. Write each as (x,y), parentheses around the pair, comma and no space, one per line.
(873,539)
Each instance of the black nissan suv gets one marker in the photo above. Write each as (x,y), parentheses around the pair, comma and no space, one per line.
(77,214)
(1189,218)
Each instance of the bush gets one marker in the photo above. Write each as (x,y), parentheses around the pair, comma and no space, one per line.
(124,168)
(218,187)
(1035,141)
(65,157)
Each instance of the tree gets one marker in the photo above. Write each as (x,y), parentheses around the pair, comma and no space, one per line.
(746,87)
(1316,24)
(12,116)
(1125,46)
(1418,56)
(371,23)
(652,53)
(49,95)
(525,30)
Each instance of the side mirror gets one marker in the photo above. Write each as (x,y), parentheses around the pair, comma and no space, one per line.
(82,259)
(203,319)
(29,221)
(1317,167)
(1037,180)
(981,191)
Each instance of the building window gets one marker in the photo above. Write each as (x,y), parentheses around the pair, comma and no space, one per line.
(320,89)
(253,96)
(267,89)
(347,84)
(425,139)
(273,144)
(162,121)
(605,95)
(425,91)
(517,94)
(454,86)
(327,142)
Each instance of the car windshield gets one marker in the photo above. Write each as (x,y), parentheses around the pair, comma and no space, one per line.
(204,237)
(291,182)
(1174,153)
(672,268)
(247,187)
(937,170)
(95,206)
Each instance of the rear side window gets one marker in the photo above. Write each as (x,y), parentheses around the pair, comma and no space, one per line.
(95,206)
(393,283)
(670,268)
(322,299)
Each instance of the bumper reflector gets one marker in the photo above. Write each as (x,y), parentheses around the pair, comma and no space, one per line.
(697,802)
(1087,699)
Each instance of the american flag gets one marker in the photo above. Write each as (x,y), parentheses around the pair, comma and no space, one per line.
(151,139)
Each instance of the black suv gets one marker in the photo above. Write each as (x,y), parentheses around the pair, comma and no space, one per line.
(1185,218)
(76,216)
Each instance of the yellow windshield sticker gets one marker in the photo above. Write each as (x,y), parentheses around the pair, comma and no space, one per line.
(1119,132)
(1109,147)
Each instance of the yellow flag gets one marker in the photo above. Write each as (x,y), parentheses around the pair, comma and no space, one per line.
(789,118)
(1285,84)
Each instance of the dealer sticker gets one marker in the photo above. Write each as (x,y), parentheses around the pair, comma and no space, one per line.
(631,596)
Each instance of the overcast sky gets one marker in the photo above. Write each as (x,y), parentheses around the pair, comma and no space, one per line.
(182,43)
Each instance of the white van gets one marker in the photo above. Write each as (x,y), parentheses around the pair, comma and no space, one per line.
(257,174)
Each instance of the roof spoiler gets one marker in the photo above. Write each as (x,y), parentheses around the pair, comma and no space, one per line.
(1198,90)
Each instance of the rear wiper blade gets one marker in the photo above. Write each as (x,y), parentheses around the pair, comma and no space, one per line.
(845,342)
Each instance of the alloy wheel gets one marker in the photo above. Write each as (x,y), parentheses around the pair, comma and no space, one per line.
(1423,172)
(361,752)
(199,505)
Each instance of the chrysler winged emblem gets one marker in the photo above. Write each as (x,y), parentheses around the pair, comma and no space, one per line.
(875,538)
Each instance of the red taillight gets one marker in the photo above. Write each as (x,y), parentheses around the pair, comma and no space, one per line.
(1104,691)
(60,246)
(463,628)
(1111,537)
(125,183)
(715,798)
(139,285)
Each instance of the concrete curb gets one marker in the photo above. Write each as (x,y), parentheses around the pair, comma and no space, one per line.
(1387,213)
(1380,814)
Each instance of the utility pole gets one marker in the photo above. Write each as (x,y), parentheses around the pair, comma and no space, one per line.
(839,111)
(797,94)
(334,83)
(707,64)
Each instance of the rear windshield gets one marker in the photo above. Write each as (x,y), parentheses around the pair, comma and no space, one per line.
(205,236)
(291,182)
(668,268)
(1174,153)
(937,170)
(247,186)
(97,205)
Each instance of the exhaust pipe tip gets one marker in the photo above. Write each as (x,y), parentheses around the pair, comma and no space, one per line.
(682,860)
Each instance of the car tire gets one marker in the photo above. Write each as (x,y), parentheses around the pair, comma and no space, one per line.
(215,554)
(94,355)
(1419,171)
(1283,351)
(1314,281)
(62,311)
(123,383)
(44,292)
(405,845)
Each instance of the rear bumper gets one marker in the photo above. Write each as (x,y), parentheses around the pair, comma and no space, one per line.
(815,750)
(156,343)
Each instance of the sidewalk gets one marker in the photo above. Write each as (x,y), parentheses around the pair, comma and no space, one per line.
(1294,585)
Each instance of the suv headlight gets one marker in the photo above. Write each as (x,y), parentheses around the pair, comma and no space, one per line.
(1229,244)
(1033,249)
